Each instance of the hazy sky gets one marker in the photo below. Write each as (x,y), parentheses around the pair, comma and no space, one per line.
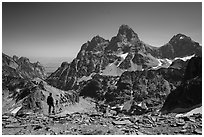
(60,29)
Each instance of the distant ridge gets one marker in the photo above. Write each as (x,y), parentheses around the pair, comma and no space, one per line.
(21,68)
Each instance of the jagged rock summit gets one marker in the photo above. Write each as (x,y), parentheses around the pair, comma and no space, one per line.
(180,46)
(124,52)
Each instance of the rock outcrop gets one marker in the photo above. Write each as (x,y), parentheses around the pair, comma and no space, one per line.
(150,86)
(189,93)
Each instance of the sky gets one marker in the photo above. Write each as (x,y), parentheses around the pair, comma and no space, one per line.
(60,29)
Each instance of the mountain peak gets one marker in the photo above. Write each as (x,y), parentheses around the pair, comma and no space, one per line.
(24,60)
(124,26)
(124,29)
(179,37)
(125,32)
(15,58)
(98,39)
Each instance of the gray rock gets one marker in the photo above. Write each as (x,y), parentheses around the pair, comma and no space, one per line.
(185,126)
(5,117)
(140,133)
(198,131)
(13,126)
(183,131)
(124,122)
(180,122)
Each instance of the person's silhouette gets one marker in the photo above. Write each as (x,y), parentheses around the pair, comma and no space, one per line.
(50,102)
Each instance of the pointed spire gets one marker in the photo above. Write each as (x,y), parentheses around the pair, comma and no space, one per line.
(125,32)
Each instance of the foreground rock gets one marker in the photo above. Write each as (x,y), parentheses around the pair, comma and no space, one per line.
(98,123)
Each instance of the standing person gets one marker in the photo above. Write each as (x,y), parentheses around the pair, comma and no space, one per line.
(50,102)
(57,103)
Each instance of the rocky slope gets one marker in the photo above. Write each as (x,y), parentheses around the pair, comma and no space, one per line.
(16,71)
(124,52)
(150,87)
(24,90)
(189,93)
(23,97)
(96,123)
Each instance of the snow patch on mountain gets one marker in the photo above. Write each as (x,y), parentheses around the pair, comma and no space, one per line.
(168,60)
(112,70)
(181,37)
(123,56)
(135,67)
(86,78)
(165,63)
(159,64)
(185,58)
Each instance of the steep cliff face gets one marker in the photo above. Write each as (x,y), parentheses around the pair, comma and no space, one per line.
(189,93)
(149,85)
(124,52)
(60,75)
(90,59)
